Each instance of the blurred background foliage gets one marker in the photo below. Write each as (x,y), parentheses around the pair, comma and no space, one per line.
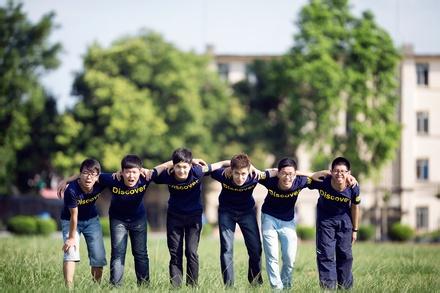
(143,95)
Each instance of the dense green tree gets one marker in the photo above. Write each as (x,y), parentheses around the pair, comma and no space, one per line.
(25,55)
(335,91)
(142,95)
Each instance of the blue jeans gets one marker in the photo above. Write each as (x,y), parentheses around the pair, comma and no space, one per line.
(275,230)
(334,252)
(247,221)
(92,231)
(137,230)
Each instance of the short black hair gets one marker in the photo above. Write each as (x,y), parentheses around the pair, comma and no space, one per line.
(90,164)
(131,161)
(286,162)
(182,155)
(341,161)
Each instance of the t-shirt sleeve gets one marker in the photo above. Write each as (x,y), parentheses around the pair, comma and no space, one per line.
(264,180)
(312,184)
(106,179)
(217,174)
(200,171)
(155,175)
(355,195)
(206,170)
(70,200)
(303,181)
(161,178)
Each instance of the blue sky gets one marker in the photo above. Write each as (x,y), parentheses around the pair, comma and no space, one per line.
(232,26)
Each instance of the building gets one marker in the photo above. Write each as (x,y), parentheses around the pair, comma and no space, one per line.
(408,189)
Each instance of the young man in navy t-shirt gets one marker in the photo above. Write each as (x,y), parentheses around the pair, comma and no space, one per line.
(184,216)
(79,216)
(278,221)
(337,226)
(237,206)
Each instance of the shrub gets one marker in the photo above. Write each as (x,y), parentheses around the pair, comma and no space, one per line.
(105,224)
(401,232)
(435,236)
(305,233)
(366,232)
(46,226)
(22,225)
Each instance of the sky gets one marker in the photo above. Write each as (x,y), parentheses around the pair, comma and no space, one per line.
(231,26)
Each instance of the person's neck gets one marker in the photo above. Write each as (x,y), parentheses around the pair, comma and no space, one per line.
(338,186)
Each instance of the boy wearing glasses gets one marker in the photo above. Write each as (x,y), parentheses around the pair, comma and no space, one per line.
(337,225)
(79,216)
(277,220)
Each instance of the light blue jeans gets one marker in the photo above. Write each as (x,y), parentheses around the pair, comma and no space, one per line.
(92,231)
(274,230)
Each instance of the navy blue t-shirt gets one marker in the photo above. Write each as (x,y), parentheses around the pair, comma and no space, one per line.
(185,196)
(74,197)
(281,203)
(127,202)
(233,197)
(333,203)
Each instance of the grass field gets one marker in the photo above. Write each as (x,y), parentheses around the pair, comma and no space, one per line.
(34,264)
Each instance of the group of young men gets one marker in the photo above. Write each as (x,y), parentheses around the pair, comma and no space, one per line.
(337,218)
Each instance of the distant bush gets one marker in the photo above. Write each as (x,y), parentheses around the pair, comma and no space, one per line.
(22,225)
(46,226)
(366,232)
(430,237)
(105,224)
(400,232)
(305,233)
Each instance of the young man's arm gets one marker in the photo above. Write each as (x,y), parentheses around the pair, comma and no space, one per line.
(217,165)
(62,185)
(162,167)
(70,241)
(355,219)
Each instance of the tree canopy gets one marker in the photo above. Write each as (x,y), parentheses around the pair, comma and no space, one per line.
(334,92)
(143,95)
(25,55)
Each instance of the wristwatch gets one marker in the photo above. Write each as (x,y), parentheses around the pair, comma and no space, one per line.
(355,230)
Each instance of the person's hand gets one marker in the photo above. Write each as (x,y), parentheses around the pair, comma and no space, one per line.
(117,175)
(62,185)
(227,172)
(351,181)
(353,236)
(317,176)
(199,162)
(254,172)
(147,173)
(70,242)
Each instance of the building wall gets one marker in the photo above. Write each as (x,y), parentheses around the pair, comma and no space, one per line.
(420,193)
(395,193)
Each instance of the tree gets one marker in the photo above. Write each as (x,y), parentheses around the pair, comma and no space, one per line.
(142,95)
(335,91)
(25,55)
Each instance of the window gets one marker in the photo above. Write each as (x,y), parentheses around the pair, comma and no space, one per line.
(422,214)
(422,73)
(422,122)
(223,70)
(422,169)
(250,74)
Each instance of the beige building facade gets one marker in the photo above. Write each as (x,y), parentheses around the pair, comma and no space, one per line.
(408,189)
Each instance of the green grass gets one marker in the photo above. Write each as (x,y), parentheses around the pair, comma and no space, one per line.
(35,264)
